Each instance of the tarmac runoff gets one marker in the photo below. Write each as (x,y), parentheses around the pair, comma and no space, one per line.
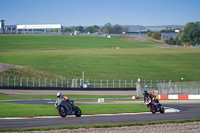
(168,110)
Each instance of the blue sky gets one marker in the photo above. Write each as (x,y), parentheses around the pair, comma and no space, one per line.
(99,12)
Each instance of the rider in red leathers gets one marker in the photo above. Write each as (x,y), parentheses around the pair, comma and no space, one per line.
(149,95)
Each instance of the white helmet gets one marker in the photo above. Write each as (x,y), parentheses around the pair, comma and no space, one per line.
(59,95)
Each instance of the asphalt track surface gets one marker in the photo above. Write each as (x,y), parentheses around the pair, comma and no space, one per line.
(187,111)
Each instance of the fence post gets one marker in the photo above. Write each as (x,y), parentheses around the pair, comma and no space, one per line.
(14,81)
(101,83)
(175,88)
(198,87)
(67,82)
(8,82)
(27,81)
(131,83)
(51,82)
(39,82)
(94,83)
(119,83)
(107,83)
(62,83)
(45,82)
(181,86)
(33,82)
(76,83)
(113,83)
(21,81)
(56,82)
(1,80)
(125,83)
(189,89)
(159,87)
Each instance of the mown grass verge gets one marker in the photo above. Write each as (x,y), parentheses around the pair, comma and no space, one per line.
(100,126)
(30,110)
(6,97)
(77,96)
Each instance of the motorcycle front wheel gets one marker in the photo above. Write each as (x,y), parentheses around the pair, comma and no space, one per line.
(152,109)
(62,111)
(162,110)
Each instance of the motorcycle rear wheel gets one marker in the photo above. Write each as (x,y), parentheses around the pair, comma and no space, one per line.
(78,112)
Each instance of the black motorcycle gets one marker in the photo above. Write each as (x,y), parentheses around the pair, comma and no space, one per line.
(67,108)
(153,106)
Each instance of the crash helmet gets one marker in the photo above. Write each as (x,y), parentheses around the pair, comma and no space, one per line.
(145,92)
(59,95)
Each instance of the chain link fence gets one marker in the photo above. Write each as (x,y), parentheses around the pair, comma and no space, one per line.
(158,87)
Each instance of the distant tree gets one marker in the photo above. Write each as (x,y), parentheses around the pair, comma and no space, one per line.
(96,28)
(92,29)
(191,33)
(66,30)
(149,33)
(170,40)
(156,35)
(125,28)
(108,28)
(166,41)
(178,38)
(117,29)
(78,28)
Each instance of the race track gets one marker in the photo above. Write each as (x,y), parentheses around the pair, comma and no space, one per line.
(187,111)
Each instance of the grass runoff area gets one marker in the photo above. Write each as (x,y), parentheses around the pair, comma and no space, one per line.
(26,97)
(68,56)
(28,110)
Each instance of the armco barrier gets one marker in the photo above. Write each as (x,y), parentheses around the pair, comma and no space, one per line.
(178,96)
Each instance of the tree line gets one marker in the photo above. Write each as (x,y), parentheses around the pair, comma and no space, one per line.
(189,36)
(154,35)
(108,28)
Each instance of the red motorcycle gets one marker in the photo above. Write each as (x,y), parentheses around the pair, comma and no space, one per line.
(153,106)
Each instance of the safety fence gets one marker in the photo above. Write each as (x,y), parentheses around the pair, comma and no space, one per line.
(168,87)
(157,86)
(67,82)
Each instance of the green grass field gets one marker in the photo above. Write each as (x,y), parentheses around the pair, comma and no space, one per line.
(28,110)
(70,96)
(68,56)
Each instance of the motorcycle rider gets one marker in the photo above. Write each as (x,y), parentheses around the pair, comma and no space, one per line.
(63,98)
(149,95)
(59,98)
